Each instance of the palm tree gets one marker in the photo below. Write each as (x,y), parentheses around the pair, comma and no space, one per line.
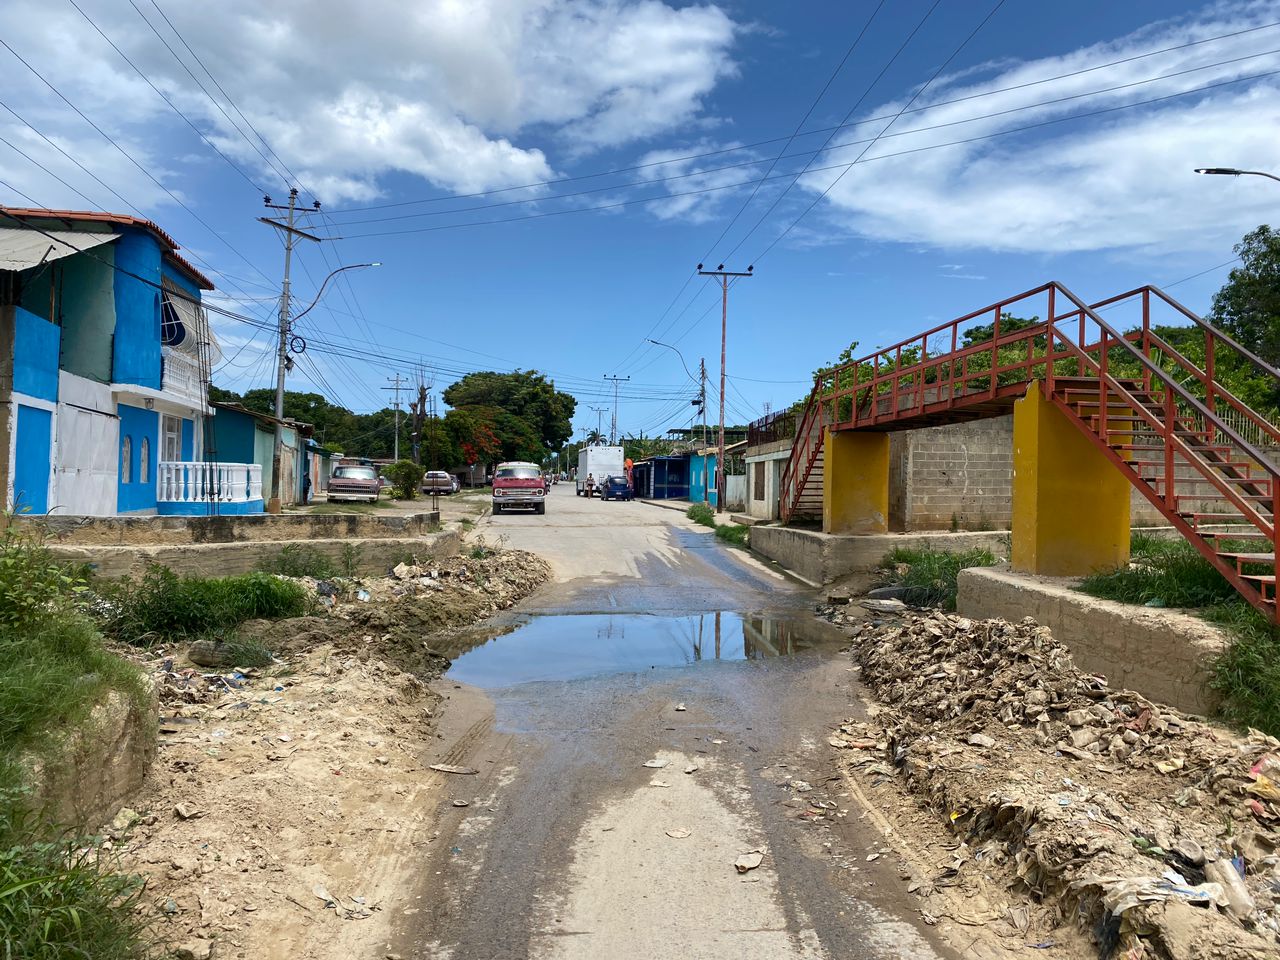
(595,436)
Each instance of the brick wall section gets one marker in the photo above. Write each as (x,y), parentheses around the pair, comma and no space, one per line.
(1162,654)
(957,476)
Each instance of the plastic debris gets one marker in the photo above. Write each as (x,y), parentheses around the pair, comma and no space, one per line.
(656,764)
(450,768)
(748,861)
(678,833)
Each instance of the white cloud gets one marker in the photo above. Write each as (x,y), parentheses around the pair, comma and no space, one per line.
(704,199)
(1120,181)
(467,94)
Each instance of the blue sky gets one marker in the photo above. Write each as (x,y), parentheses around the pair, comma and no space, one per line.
(388,114)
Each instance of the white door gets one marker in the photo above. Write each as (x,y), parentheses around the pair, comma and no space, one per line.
(87,455)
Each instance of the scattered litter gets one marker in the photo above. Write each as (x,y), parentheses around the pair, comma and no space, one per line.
(719,741)
(659,783)
(678,833)
(656,764)
(462,803)
(748,861)
(363,596)
(186,811)
(883,605)
(691,768)
(450,768)
(680,708)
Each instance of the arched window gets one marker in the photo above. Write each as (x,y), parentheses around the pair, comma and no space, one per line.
(144,461)
(126,460)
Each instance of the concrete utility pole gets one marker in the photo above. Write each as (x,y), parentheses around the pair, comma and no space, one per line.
(613,424)
(724,276)
(599,411)
(702,415)
(397,385)
(282,347)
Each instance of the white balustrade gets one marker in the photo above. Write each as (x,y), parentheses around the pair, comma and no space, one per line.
(182,373)
(201,482)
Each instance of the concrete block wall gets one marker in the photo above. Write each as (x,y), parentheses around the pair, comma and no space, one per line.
(374,557)
(1164,655)
(958,476)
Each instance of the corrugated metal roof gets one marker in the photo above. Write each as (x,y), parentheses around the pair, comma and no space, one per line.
(21,249)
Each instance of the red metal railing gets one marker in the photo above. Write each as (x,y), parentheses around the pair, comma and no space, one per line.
(1119,389)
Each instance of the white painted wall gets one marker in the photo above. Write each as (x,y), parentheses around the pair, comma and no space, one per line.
(766,508)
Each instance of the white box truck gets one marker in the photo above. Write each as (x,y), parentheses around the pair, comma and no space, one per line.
(598,462)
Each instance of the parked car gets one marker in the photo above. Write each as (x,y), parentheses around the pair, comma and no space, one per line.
(616,488)
(355,482)
(437,481)
(519,485)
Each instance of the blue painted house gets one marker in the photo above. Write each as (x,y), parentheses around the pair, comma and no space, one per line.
(105,353)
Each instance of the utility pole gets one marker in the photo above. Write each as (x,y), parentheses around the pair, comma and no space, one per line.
(724,276)
(282,346)
(599,412)
(613,424)
(397,385)
(702,415)
(419,409)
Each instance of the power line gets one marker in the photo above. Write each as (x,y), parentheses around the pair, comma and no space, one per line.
(809,133)
(200,133)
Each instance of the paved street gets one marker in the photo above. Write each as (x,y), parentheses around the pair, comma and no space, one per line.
(570,846)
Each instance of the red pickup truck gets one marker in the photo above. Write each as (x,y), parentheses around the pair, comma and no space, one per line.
(519,485)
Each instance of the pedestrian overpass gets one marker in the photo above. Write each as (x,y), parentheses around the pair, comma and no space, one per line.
(1096,412)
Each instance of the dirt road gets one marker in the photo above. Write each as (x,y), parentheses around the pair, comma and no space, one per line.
(657,713)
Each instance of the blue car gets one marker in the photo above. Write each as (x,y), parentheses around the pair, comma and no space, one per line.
(616,488)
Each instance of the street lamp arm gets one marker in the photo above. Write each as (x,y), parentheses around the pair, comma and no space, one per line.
(320,292)
(1233,172)
(659,343)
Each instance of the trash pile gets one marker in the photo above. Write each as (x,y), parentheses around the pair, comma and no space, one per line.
(1157,830)
(183,685)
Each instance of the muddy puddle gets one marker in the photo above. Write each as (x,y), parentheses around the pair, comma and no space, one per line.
(567,647)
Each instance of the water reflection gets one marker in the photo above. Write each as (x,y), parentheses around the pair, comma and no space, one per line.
(583,645)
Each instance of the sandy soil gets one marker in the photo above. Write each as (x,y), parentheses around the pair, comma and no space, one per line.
(288,808)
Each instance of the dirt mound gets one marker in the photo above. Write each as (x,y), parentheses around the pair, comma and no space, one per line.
(1156,829)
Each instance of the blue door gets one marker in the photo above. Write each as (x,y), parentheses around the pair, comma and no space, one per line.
(31,461)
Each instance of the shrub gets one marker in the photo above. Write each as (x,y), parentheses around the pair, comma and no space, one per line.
(406,476)
(164,605)
(701,513)
(300,560)
(32,582)
(929,576)
(734,533)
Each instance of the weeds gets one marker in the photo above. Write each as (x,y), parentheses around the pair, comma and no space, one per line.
(32,582)
(733,533)
(701,513)
(929,576)
(350,560)
(163,605)
(300,560)
(1166,573)
(60,896)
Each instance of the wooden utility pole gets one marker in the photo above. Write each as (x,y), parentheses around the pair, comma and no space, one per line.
(724,276)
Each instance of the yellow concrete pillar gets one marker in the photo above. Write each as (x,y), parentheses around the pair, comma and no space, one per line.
(855,483)
(1070,503)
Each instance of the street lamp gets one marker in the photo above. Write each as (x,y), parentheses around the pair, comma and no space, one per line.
(282,364)
(701,403)
(1233,172)
(324,283)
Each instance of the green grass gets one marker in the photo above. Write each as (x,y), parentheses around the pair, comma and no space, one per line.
(701,513)
(733,533)
(1162,572)
(164,606)
(930,575)
(300,560)
(60,896)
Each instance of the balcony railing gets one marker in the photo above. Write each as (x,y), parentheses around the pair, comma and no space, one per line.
(203,482)
(181,374)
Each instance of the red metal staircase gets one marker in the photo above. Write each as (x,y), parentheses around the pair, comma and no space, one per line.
(1167,422)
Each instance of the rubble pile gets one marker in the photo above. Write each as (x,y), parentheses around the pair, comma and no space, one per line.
(1158,830)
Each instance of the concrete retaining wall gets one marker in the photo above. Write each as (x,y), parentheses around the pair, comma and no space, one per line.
(959,475)
(1163,654)
(373,556)
(823,558)
(174,531)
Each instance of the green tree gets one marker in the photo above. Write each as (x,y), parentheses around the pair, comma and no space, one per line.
(1248,305)
(525,394)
